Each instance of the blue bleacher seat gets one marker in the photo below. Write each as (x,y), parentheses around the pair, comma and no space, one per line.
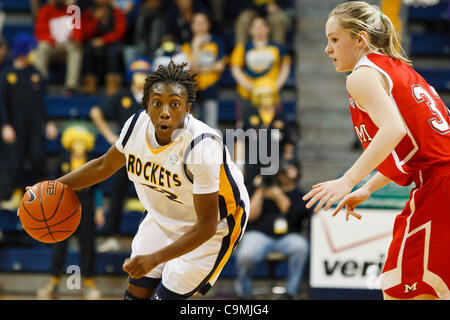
(10,30)
(79,106)
(74,107)
(37,259)
(430,44)
(15,5)
(128,224)
(437,12)
(9,221)
(54,146)
(438,78)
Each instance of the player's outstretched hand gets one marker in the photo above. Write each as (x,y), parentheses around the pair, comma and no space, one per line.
(139,266)
(328,192)
(351,201)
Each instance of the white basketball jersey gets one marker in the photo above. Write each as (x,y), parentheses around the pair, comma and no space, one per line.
(162,182)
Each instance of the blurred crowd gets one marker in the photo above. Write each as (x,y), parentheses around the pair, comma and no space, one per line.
(107,48)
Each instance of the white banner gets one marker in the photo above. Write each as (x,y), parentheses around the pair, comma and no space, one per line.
(350,254)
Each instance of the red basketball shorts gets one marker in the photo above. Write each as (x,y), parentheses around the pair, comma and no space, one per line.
(418,260)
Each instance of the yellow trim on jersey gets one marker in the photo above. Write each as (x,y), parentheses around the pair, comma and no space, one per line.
(234,209)
(156,151)
(234,237)
(226,190)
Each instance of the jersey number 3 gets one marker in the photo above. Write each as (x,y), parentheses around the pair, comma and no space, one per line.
(438,122)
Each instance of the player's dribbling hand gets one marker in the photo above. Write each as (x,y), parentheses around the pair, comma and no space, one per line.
(328,192)
(139,266)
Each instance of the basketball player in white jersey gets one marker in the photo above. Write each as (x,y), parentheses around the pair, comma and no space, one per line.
(194,195)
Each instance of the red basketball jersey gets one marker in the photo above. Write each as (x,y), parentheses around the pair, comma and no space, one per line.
(426,118)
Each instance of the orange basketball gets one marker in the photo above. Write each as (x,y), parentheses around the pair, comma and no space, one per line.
(50,211)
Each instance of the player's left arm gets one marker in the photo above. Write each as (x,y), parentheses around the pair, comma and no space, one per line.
(369,89)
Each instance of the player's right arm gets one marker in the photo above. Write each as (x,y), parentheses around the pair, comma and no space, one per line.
(95,171)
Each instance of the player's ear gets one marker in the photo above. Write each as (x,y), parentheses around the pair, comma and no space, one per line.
(188,108)
(363,38)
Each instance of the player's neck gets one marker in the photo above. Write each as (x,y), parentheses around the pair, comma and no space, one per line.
(259,43)
(362,54)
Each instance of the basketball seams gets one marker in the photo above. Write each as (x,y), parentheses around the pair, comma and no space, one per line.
(42,209)
(59,222)
(45,229)
(51,233)
(59,201)
(26,210)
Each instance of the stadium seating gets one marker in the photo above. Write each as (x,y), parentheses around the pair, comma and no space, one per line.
(35,256)
(59,107)
(438,78)
(430,44)
(430,39)
(432,13)
(15,5)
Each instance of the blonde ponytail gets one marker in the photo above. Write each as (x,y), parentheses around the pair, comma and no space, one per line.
(357,16)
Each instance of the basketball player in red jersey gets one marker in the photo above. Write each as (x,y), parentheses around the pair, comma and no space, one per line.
(404,128)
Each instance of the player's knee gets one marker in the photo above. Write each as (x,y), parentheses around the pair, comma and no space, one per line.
(129,296)
(137,293)
(162,293)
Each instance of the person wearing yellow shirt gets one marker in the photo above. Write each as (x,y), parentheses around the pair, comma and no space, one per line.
(258,58)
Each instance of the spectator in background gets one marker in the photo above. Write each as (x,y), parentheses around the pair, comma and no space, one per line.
(78,141)
(258,58)
(266,116)
(179,18)
(56,35)
(273,10)
(130,8)
(149,29)
(216,9)
(23,116)
(169,50)
(5,58)
(34,7)
(277,215)
(84,4)
(103,29)
(206,56)
(120,108)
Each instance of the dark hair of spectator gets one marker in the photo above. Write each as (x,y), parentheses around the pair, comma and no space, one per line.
(171,74)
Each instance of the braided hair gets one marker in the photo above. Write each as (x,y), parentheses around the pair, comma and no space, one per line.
(171,74)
